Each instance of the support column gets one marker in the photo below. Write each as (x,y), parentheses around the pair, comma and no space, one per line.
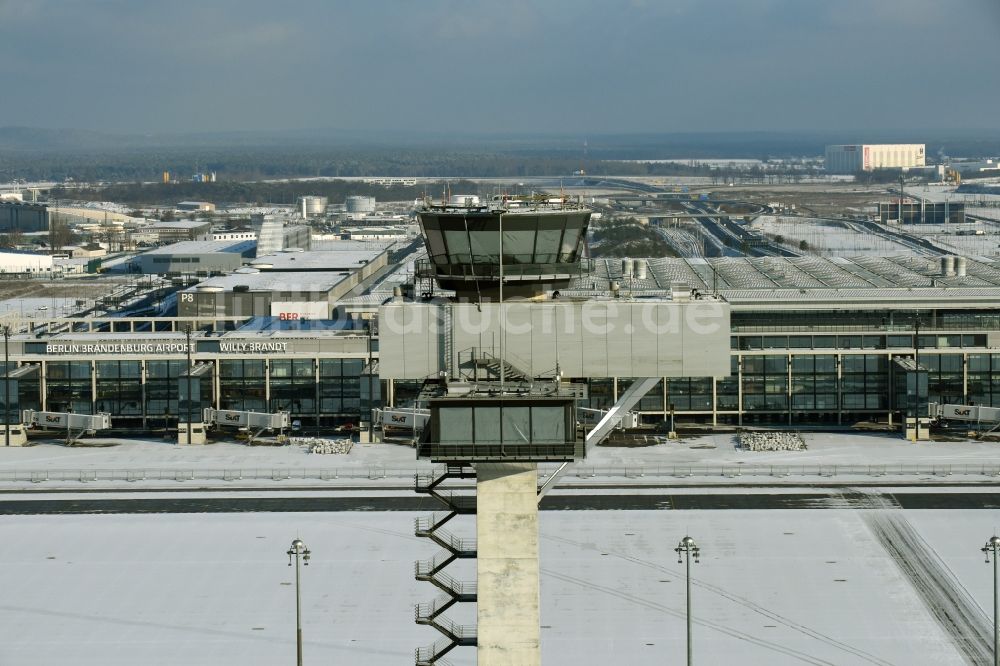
(507,557)
(965,378)
(715,402)
(788,387)
(739,391)
(840,384)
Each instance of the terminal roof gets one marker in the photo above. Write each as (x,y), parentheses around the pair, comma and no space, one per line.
(179,224)
(204,247)
(751,282)
(319,260)
(309,281)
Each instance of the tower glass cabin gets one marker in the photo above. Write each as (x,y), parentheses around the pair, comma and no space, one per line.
(541,243)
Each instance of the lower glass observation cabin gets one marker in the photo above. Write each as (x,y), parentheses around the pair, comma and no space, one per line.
(487,428)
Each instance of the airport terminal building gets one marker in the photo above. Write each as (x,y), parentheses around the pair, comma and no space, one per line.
(322,378)
(813,341)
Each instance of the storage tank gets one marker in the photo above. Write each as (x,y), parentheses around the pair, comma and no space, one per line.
(626,268)
(312,206)
(947,265)
(463,200)
(640,269)
(961,266)
(360,205)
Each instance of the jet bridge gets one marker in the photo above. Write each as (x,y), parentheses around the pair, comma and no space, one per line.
(410,420)
(253,423)
(982,417)
(74,425)
(589,417)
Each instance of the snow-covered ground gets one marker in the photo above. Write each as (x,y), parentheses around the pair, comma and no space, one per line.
(941,193)
(774,588)
(41,308)
(975,246)
(695,460)
(825,237)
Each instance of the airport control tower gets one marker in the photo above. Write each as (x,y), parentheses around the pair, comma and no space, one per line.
(504,354)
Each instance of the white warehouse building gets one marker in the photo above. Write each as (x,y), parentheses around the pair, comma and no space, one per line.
(848,159)
(24,262)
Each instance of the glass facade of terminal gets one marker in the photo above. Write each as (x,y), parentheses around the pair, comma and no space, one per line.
(153,393)
(854,378)
(823,379)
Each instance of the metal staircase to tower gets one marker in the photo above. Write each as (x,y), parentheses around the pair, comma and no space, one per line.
(492,365)
(432,571)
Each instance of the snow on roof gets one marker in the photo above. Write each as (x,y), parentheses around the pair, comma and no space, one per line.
(317,260)
(203,247)
(309,281)
(180,224)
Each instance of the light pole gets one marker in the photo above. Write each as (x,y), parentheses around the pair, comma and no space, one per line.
(187,334)
(993,546)
(6,387)
(688,547)
(298,549)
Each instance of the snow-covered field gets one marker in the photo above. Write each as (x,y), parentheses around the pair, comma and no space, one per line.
(824,237)
(976,246)
(773,588)
(41,308)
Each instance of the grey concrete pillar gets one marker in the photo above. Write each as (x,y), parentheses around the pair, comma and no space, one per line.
(507,557)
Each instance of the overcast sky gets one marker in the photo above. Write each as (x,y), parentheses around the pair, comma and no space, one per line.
(574,66)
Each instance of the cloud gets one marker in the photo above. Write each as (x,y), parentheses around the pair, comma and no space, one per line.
(260,39)
(561,65)
(20,10)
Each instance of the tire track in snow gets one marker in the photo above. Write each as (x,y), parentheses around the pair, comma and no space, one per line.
(742,601)
(749,638)
(942,593)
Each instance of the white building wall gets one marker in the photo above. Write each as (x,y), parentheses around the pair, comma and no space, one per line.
(19,262)
(583,339)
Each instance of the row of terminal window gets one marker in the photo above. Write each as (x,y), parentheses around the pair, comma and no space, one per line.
(937,341)
(176,260)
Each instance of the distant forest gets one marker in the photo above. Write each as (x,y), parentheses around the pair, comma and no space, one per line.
(36,154)
(267,164)
(254,193)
